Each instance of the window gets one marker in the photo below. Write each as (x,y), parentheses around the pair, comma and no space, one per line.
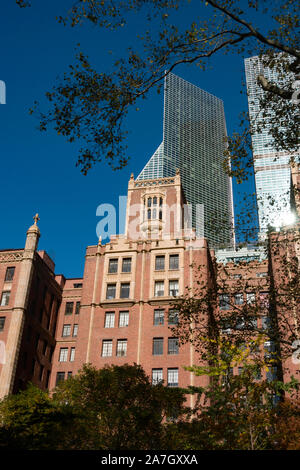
(77,308)
(2,322)
(173,346)
(63,355)
(69,375)
(224,302)
(173,377)
(157,376)
(240,370)
(125,290)
(72,354)
(126,265)
(237,276)
(77,285)
(113,265)
(153,212)
(264,299)
(69,308)
(173,317)
(266,322)
(9,275)
(158,344)
(75,329)
(250,297)
(109,320)
(238,299)
(123,319)
(160,263)
(174,262)
(121,347)
(159,288)
(106,348)
(60,377)
(111,291)
(5,298)
(261,274)
(158,317)
(66,330)
(173,288)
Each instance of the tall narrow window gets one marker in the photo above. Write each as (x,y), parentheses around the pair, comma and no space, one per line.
(5,298)
(107,348)
(173,288)
(60,377)
(158,344)
(72,355)
(77,308)
(69,308)
(173,346)
(159,289)
(113,265)
(75,330)
(111,291)
(174,262)
(158,317)
(2,323)
(238,299)
(63,355)
(66,330)
(126,265)
(173,317)
(121,347)
(160,262)
(109,320)
(157,376)
(9,275)
(123,319)
(173,377)
(125,290)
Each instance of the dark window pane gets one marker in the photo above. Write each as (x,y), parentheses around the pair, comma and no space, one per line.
(60,377)
(173,346)
(113,265)
(2,322)
(160,263)
(111,291)
(125,290)
(9,275)
(174,262)
(69,308)
(126,265)
(158,346)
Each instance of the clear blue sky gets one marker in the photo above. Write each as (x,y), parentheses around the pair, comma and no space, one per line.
(38,169)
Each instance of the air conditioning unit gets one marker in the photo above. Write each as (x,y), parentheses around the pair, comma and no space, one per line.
(159,293)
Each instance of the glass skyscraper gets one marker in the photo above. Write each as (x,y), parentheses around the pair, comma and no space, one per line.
(194,139)
(272,169)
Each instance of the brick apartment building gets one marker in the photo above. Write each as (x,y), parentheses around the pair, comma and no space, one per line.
(122,309)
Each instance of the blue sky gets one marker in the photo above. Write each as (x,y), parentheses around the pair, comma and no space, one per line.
(38,169)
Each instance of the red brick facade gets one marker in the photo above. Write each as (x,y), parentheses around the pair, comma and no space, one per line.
(121,310)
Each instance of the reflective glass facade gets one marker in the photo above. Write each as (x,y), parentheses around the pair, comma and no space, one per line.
(272,169)
(194,132)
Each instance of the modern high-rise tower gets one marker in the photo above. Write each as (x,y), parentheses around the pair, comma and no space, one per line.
(272,168)
(194,139)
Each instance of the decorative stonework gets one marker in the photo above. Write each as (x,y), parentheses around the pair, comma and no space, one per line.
(9,256)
